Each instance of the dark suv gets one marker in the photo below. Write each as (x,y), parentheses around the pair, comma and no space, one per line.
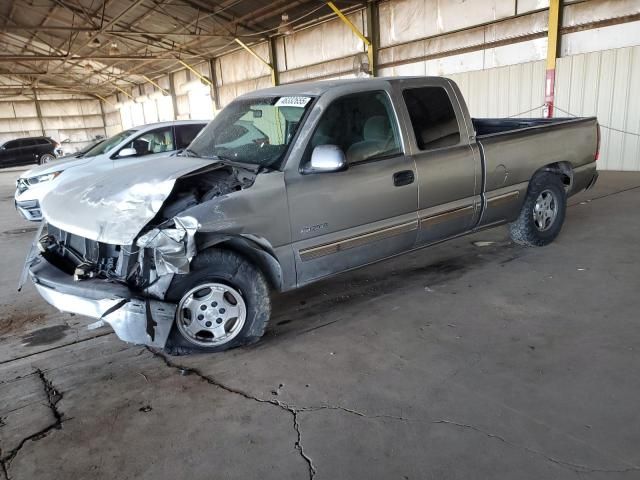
(25,151)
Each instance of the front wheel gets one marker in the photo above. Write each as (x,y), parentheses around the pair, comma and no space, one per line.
(222,303)
(46,158)
(542,213)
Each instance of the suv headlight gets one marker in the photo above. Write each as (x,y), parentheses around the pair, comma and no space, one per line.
(47,177)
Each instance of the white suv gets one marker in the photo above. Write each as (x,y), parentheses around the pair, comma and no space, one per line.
(121,150)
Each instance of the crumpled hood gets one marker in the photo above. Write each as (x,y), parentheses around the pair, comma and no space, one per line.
(56,166)
(113,206)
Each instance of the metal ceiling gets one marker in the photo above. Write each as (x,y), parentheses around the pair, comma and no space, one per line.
(95,46)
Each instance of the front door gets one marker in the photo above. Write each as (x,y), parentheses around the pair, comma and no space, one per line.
(346,219)
(149,145)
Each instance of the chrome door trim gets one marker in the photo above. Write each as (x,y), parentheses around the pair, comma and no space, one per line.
(504,198)
(427,221)
(356,241)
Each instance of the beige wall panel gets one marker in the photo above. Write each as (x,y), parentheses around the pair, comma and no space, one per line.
(6,110)
(229,92)
(343,66)
(19,125)
(407,20)
(525,6)
(241,65)
(25,109)
(506,91)
(179,79)
(594,10)
(605,84)
(327,41)
(605,38)
(182,101)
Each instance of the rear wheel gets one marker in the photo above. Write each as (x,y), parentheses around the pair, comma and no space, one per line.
(46,158)
(543,212)
(222,303)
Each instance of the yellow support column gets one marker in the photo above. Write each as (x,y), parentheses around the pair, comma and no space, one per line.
(274,75)
(123,91)
(358,34)
(104,100)
(195,72)
(552,54)
(156,85)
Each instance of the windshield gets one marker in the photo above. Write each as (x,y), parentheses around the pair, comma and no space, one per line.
(108,144)
(84,150)
(256,130)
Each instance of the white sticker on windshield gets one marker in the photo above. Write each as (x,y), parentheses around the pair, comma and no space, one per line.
(292,101)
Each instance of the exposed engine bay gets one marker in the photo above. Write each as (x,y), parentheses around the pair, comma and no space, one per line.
(165,246)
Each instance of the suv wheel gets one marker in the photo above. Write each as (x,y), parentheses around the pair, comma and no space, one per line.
(46,158)
(222,303)
(542,213)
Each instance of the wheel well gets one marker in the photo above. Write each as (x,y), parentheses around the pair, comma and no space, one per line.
(250,250)
(563,169)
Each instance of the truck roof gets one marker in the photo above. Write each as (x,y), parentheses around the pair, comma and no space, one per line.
(322,86)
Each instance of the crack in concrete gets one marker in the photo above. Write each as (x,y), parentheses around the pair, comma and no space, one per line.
(293,410)
(576,467)
(53,396)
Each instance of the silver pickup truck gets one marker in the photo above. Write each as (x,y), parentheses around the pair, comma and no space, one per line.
(292,184)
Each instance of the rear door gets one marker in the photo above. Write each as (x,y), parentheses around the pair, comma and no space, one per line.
(10,154)
(186,133)
(345,219)
(449,173)
(28,151)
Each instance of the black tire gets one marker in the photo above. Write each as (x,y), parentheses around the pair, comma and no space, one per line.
(46,158)
(525,230)
(229,268)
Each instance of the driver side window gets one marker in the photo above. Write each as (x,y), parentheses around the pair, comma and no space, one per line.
(155,141)
(362,125)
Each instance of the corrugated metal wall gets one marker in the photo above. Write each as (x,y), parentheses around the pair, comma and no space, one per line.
(73,119)
(516,90)
(605,84)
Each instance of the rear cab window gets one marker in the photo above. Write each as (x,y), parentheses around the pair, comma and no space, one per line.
(433,118)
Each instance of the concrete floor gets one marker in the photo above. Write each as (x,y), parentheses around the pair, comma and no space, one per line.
(459,361)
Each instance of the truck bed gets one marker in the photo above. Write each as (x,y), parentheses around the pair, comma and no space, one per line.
(491,126)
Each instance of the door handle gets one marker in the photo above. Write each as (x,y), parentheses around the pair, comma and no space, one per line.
(405,177)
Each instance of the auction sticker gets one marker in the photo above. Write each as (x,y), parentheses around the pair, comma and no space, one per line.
(292,101)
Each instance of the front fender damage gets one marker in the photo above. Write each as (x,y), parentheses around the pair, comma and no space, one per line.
(125,285)
(172,247)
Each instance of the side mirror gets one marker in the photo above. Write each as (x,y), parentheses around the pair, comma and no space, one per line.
(327,158)
(127,152)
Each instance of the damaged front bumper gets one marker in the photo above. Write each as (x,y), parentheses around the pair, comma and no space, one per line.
(143,321)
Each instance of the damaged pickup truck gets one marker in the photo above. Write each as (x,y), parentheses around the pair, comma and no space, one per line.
(290,185)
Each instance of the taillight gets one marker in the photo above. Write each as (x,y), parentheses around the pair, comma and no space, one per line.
(597,154)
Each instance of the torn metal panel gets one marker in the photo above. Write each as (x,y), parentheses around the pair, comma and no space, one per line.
(31,255)
(114,208)
(130,321)
(173,248)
